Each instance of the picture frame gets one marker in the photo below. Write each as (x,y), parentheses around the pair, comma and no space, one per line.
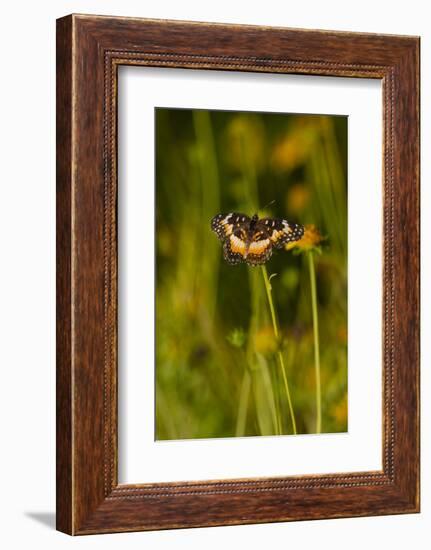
(89,51)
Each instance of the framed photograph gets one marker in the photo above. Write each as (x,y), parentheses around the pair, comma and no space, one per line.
(237,274)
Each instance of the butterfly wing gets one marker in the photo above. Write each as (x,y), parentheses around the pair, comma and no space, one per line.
(281,231)
(234,250)
(232,230)
(224,225)
(260,248)
(253,244)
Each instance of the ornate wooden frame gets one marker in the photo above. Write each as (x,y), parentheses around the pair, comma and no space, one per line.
(89,51)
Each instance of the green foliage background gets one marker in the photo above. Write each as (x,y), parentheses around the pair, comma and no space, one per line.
(216,368)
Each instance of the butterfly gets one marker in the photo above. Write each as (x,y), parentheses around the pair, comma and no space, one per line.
(252,240)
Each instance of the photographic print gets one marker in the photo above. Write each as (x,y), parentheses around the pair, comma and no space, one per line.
(251,274)
(205,279)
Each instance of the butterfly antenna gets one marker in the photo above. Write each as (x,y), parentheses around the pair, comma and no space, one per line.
(269,204)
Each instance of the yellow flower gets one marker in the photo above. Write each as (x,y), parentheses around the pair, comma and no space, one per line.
(311,239)
(298,197)
(342,334)
(287,154)
(294,147)
(245,142)
(264,340)
(339,411)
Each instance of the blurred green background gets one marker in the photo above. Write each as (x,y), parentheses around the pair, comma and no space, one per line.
(217,373)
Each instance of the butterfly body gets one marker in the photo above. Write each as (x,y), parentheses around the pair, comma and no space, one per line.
(252,240)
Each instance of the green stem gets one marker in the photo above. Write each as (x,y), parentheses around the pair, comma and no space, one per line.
(243,404)
(279,354)
(316,341)
(207,275)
